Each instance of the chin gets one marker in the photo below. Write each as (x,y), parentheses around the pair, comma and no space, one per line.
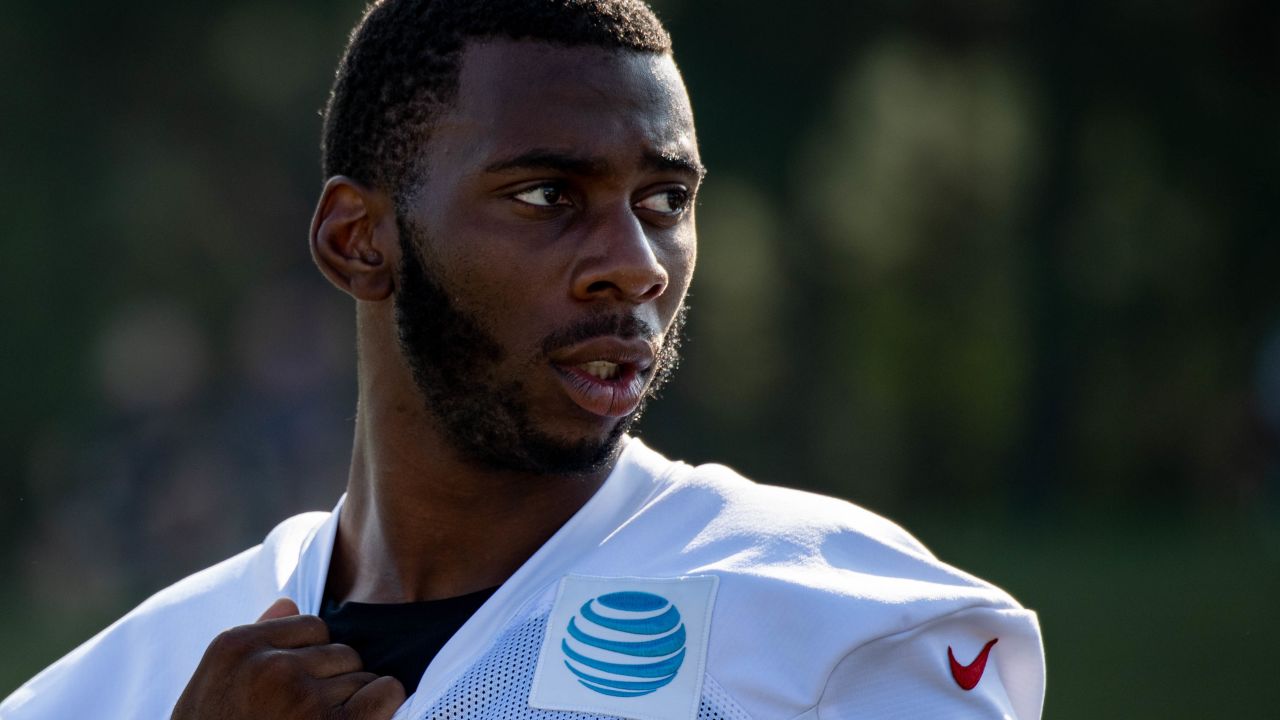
(581,452)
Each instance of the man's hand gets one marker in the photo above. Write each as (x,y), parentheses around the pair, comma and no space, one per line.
(283,666)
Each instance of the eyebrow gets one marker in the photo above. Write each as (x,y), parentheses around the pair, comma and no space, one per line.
(677,162)
(572,164)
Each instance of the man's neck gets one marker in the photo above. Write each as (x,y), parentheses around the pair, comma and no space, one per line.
(420,523)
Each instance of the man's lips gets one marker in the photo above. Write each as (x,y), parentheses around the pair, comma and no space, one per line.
(620,351)
(606,375)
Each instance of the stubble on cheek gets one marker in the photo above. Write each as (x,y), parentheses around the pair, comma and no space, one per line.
(468,384)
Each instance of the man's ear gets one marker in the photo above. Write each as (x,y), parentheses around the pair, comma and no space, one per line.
(353,239)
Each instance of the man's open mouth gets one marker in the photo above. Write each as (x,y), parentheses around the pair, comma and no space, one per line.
(602,369)
(605,376)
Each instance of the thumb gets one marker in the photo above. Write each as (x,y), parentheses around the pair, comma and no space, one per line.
(283,607)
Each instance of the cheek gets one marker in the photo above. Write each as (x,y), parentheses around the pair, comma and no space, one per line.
(485,266)
(680,262)
(502,257)
(505,295)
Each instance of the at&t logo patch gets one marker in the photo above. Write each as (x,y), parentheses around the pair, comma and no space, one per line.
(625,644)
(629,647)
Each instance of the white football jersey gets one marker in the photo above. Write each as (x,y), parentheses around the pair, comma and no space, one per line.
(675,593)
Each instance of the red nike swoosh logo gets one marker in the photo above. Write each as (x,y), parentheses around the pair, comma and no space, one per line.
(967,676)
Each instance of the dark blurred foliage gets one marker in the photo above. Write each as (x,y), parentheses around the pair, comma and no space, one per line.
(1007,272)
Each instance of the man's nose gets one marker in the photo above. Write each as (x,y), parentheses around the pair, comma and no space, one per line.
(617,261)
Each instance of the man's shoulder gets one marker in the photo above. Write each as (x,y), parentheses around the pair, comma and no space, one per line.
(228,591)
(726,520)
(141,661)
(723,504)
(269,563)
(813,590)
(773,546)
(773,513)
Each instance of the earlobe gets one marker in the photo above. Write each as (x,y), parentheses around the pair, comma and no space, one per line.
(352,237)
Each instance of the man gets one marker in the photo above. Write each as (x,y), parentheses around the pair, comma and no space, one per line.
(510,204)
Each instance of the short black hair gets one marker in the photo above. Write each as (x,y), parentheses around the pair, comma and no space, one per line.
(401,68)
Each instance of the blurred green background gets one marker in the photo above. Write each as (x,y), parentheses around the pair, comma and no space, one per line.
(1008,273)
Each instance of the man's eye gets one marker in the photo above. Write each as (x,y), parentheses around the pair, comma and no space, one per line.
(542,196)
(666,202)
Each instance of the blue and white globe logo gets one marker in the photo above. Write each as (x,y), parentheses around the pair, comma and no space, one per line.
(625,644)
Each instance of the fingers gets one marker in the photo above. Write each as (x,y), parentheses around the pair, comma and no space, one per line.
(377,700)
(335,692)
(284,666)
(295,631)
(282,607)
(282,626)
(326,661)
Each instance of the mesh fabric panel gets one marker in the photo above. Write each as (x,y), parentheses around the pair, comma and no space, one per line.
(497,687)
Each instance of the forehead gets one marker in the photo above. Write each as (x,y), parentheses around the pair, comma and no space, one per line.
(514,96)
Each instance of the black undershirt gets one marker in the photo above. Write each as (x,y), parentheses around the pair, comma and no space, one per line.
(399,639)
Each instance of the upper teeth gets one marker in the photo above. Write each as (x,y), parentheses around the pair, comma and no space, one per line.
(602,369)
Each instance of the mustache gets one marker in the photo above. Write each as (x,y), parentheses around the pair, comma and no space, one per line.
(623,326)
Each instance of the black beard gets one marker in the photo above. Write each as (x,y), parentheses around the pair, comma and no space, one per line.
(454,361)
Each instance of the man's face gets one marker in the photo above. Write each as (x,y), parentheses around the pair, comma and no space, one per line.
(548,250)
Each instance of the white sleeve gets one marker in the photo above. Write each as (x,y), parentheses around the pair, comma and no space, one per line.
(922,672)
